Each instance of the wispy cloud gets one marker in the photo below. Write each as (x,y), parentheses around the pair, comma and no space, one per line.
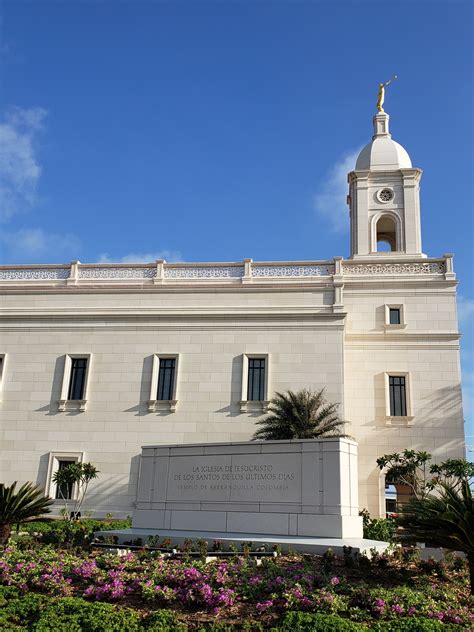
(20,172)
(145,257)
(35,245)
(330,199)
(19,166)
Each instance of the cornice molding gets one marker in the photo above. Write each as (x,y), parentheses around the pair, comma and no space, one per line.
(117,312)
(402,336)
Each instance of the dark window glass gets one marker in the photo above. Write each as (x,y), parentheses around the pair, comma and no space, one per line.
(395,316)
(398,400)
(166,378)
(77,381)
(256,383)
(64,492)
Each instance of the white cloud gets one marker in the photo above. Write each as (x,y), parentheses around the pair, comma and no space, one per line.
(330,200)
(19,166)
(146,257)
(35,244)
(465,309)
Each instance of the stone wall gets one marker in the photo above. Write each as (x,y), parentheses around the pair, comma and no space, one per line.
(306,488)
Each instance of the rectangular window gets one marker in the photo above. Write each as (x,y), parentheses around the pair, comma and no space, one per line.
(166,377)
(256,380)
(58,461)
(63,492)
(398,399)
(77,379)
(394,316)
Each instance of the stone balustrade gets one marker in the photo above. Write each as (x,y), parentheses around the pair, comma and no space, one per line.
(247,271)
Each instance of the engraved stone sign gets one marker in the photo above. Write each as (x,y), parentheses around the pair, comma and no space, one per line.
(272,487)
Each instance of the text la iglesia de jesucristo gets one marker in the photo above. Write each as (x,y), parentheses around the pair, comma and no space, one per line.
(234,473)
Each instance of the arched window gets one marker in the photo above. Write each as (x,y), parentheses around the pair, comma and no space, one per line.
(386,232)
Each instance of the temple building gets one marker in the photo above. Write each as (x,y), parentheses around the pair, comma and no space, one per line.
(98,360)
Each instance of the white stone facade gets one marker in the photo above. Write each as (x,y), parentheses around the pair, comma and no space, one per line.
(318,324)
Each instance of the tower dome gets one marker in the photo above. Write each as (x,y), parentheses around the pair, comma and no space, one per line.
(384,198)
(382,153)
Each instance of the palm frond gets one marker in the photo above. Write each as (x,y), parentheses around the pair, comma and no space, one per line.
(28,502)
(445,519)
(300,415)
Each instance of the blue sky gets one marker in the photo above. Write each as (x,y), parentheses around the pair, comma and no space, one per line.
(222,130)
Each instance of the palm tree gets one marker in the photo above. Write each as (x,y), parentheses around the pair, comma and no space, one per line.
(19,506)
(302,415)
(445,519)
(74,475)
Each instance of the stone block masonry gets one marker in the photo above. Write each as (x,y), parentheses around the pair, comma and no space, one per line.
(297,488)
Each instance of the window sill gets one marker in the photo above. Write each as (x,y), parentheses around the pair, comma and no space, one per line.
(250,406)
(399,421)
(72,404)
(390,327)
(156,405)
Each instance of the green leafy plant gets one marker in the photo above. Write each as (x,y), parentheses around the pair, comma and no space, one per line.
(444,519)
(409,468)
(453,472)
(276,548)
(77,533)
(19,506)
(309,622)
(302,415)
(163,621)
(233,547)
(413,469)
(328,560)
(382,529)
(73,613)
(416,624)
(202,547)
(75,476)
(217,545)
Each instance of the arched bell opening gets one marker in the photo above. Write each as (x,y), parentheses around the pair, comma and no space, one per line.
(386,234)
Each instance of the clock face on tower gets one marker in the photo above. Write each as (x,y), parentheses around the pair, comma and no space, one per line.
(385,195)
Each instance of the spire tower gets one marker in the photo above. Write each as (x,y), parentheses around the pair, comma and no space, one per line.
(384,198)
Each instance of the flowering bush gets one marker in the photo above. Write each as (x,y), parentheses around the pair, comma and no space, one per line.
(382,591)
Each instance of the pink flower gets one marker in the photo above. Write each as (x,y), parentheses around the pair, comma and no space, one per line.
(263,605)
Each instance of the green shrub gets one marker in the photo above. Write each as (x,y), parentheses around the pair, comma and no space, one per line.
(7,593)
(73,614)
(27,608)
(17,611)
(415,624)
(306,621)
(382,529)
(164,621)
(75,533)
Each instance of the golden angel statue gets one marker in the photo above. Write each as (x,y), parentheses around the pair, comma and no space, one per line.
(381,94)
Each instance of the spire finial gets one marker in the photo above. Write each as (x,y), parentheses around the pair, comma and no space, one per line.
(381,94)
